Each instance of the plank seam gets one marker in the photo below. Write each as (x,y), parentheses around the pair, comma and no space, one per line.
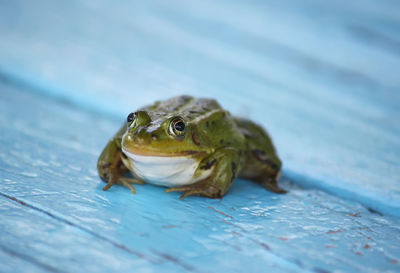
(30,260)
(164,257)
(58,218)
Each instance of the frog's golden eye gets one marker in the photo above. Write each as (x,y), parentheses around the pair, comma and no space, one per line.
(177,127)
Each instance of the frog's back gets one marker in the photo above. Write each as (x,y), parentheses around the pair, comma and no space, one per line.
(262,163)
(187,107)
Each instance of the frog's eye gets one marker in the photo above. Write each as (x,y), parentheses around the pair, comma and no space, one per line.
(177,127)
(131,117)
(139,118)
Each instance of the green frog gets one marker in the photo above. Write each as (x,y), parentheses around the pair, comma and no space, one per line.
(190,145)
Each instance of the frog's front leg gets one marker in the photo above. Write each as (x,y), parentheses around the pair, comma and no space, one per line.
(110,165)
(224,164)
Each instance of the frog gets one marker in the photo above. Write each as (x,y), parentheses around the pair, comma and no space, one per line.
(189,145)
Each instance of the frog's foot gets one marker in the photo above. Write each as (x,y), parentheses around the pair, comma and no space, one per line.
(125,181)
(203,188)
(272,185)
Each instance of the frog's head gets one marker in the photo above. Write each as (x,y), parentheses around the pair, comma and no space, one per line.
(155,134)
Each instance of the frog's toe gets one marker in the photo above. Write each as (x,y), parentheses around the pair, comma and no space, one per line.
(180,189)
(110,183)
(187,191)
(191,192)
(129,185)
(125,181)
(210,192)
(273,186)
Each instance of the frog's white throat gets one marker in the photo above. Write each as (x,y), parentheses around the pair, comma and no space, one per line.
(166,171)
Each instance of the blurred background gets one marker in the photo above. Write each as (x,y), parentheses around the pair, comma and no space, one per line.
(323,78)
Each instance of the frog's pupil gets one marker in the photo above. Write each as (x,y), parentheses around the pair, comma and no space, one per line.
(130,117)
(179,126)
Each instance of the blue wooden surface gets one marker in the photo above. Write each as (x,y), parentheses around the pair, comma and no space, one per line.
(323,78)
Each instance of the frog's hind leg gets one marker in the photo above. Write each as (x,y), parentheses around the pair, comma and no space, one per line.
(263,167)
(262,164)
(265,178)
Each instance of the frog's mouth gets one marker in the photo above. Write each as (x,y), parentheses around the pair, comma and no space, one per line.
(137,150)
(165,170)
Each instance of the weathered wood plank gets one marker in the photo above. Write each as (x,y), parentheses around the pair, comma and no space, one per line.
(322,77)
(50,191)
(328,98)
(35,239)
